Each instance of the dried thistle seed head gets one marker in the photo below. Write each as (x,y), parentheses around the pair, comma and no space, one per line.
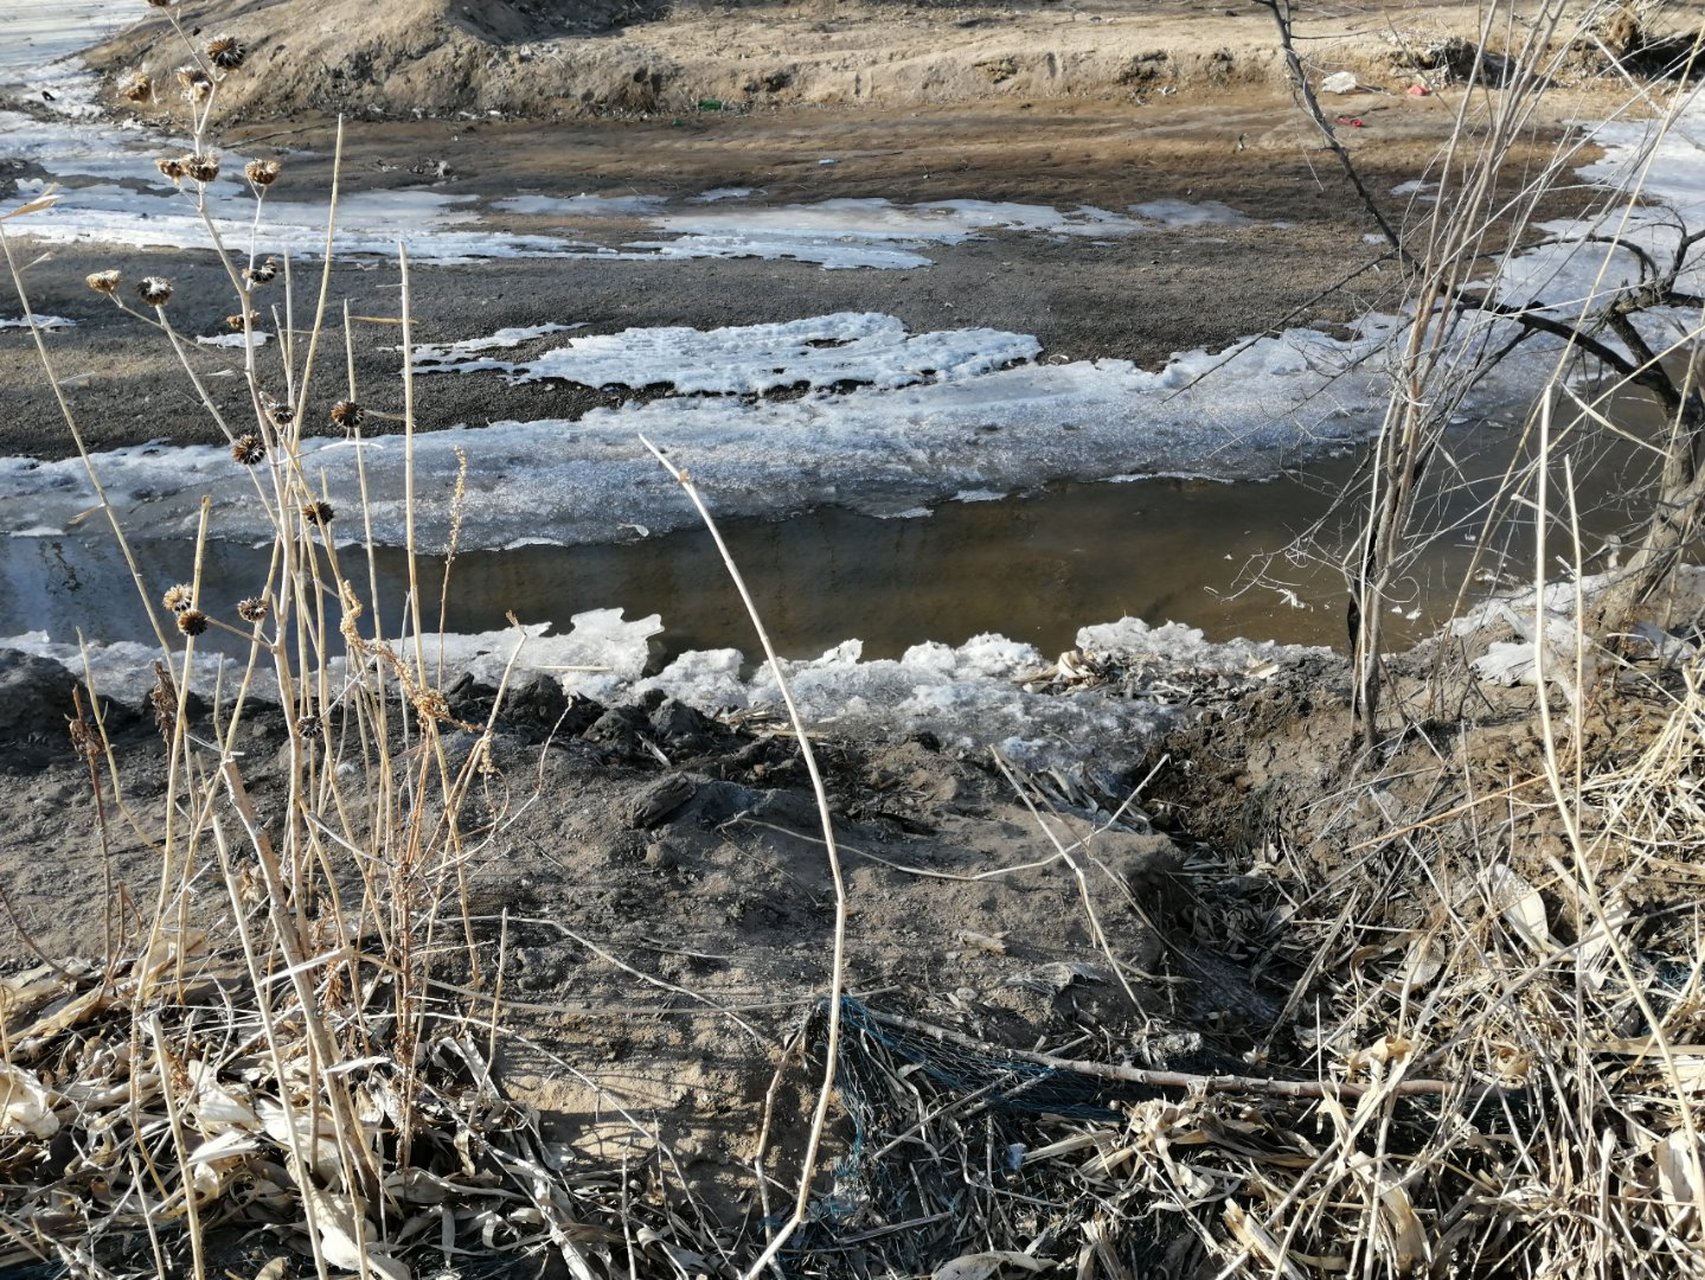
(192,622)
(103,281)
(263,173)
(282,415)
(319,513)
(203,167)
(348,415)
(309,726)
(171,166)
(177,598)
(248,449)
(196,82)
(138,87)
(254,609)
(237,324)
(226,52)
(162,4)
(261,272)
(155,291)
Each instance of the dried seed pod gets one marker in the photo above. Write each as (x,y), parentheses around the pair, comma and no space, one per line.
(162,4)
(171,166)
(163,699)
(203,167)
(430,704)
(261,272)
(226,52)
(138,87)
(319,513)
(237,324)
(248,449)
(155,291)
(103,281)
(282,415)
(263,173)
(253,609)
(348,415)
(192,622)
(177,598)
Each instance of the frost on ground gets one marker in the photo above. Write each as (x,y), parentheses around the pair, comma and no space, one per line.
(1097,709)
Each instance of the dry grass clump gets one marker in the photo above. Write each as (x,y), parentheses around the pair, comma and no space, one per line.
(156,1112)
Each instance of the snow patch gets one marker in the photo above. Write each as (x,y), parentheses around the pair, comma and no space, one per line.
(260,337)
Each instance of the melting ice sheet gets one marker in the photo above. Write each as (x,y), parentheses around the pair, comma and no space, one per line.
(971,696)
(748,359)
(111,193)
(840,234)
(40,32)
(1569,274)
(885,448)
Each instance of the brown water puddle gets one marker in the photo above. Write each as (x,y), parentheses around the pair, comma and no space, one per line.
(1034,567)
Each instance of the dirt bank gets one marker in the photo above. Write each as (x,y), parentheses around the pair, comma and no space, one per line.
(1258,907)
(639,57)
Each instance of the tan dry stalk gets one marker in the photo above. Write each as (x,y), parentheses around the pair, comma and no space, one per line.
(832,1039)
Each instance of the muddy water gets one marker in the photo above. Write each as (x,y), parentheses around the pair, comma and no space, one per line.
(1034,567)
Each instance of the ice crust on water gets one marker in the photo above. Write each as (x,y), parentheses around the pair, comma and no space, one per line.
(867,348)
(970,695)
(435,227)
(601,655)
(1669,166)
(429,356)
